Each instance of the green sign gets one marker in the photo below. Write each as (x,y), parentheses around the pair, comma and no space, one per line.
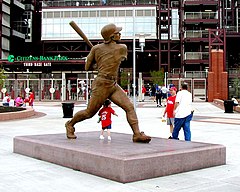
(12,58)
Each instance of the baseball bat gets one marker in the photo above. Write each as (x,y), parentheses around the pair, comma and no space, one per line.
(80,32)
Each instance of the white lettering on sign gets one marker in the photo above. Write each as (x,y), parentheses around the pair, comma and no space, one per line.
(27,64)
(47,64)
(37,64)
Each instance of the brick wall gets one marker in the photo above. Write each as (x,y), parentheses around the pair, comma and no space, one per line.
(217,78)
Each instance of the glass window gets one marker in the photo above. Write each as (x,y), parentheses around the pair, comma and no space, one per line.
(44,15)
(139,13)
(67,14)
(92,20)
(57,14)
(110,13)
(103,13)
(49,14)
(129,13)
(148,13)
(57,75)
(75,14)
(122,13)
(85,14)
(93,14)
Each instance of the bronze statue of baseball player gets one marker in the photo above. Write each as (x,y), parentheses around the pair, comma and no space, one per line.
(107,56)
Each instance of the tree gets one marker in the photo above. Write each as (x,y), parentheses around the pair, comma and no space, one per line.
(157,77)
(236,82)
(3,76)
(124,80)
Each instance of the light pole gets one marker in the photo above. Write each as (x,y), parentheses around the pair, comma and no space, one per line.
(141,49)
(141,44)
(165,79)
(134,60)
(27,88)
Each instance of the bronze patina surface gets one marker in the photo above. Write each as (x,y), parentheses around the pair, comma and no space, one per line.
(107,56)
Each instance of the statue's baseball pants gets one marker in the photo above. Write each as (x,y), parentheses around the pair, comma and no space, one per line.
(103,89)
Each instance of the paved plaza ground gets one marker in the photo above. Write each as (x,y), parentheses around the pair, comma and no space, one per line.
(210,124)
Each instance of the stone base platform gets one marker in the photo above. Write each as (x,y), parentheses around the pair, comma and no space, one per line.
(121,159)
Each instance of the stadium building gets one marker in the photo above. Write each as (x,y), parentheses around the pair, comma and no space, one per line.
(187,39)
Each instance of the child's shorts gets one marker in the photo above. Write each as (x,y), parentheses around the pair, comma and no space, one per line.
(170,121)
(108,127)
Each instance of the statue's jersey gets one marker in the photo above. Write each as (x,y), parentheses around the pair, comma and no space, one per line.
(108,58)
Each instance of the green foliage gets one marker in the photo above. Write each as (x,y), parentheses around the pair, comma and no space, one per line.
(3,76)
(236,83)
(124,80)
(157,77)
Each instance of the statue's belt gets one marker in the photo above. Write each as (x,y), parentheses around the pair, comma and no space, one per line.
(109,77)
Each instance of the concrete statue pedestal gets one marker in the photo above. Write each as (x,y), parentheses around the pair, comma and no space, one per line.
(120,159)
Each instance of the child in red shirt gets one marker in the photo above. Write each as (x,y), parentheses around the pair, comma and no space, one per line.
(105,118)
(31,98)
(170,107)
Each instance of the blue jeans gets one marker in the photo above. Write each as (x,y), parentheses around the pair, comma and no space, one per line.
(185,123)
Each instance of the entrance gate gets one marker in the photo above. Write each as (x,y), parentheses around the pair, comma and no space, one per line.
(83,85)
(197,86)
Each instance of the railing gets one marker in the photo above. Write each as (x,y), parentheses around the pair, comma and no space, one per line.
(196,34)
(198,0)
(234,70)
(195,74)
(231,29)
(187,74)
(196,56)
(62,3)
(201,15)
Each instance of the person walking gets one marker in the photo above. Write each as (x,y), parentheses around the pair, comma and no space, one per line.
(144,90)
(153,92)
(105,118)
(107,56)
(164,94)
(169,109)
(159,96)
(183,113)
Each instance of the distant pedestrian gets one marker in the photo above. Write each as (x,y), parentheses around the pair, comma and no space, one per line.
(183,113)
(153,92)
(19,101)
(159,96)
(31,98)
(164,94)
(105,118)
(144,90)
(235,101)
(6,100)
(169,109)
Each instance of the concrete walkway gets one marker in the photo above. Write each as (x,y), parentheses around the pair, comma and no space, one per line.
(210,124)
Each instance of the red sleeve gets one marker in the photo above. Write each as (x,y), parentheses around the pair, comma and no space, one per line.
(112,111)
